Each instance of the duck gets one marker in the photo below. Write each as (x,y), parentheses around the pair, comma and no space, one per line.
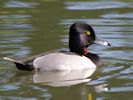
(81,36)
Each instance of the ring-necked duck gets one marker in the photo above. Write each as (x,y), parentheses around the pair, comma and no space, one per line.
(81,35)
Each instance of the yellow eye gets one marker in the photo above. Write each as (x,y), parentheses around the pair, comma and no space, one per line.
(88,33)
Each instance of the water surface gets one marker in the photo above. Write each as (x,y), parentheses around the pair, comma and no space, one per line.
(30,27)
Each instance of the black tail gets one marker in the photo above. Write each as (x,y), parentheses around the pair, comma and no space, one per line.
(24,66)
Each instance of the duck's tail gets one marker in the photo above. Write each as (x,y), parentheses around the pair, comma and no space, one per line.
(20,65)
(12,60)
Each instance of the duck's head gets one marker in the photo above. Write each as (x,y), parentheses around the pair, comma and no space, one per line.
(82,35)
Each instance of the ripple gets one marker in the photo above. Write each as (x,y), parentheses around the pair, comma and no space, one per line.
(127,71)
(97,5)
(100,21)
(8,87)
(118,15)
(15,29)
(19,4)
(17,25)
(16,98)
(123,55)
(121,89)
(14,16)
(110,69)
(126,76)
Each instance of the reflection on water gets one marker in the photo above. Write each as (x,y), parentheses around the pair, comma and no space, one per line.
(63,78)
(97,5)
(15,28)
(19,4)
(27,27)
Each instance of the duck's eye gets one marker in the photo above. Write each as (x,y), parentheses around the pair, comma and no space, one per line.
(88,33)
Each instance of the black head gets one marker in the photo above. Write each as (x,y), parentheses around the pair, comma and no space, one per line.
(81,35)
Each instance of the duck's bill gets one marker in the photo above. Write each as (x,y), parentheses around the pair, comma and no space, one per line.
(102,42)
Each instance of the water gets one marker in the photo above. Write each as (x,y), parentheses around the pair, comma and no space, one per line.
(31,27)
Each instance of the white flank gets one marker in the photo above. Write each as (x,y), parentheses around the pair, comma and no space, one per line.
(61,61)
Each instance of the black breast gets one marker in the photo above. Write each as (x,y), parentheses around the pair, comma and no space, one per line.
(94,58)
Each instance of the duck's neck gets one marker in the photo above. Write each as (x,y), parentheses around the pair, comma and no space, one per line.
(79,50)
(85,51)
(77,46)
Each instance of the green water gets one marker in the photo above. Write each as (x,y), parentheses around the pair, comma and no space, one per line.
(29,27)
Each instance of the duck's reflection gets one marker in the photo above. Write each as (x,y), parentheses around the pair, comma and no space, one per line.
(63,78)
(61,84)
